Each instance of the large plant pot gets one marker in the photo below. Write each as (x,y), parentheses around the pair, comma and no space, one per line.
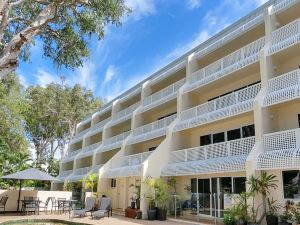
(161,214)
(272,220)
(151,213)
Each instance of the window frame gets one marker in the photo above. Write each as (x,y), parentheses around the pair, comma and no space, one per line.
(282,185)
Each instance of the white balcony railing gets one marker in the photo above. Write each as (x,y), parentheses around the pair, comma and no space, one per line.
(283,88)
(125,113)
(96,168)
(70,155)
(98,126)
(223,157)
(80,135)
(114,142)
(282,5)
(151,130)
(224,149)
(285,37)
(82,171)
(229,105)
(162,96)
(130,160)
(64,174)
(281,150)
(247,55)
(92,147)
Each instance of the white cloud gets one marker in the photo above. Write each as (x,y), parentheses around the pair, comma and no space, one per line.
(43,78)
(193,4)
(110,73)
(140,8)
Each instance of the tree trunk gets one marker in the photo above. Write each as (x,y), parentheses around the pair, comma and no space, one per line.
(10,58)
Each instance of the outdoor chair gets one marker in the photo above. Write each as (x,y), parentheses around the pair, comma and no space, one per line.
(30,204)
(61,204)
(3,201)
(44,205)
(105,207)
(54,204)
(89,205)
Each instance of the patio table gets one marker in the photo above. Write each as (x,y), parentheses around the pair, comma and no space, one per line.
(65,203)
(33,202)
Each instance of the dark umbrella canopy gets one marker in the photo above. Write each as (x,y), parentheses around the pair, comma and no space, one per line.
(29,174)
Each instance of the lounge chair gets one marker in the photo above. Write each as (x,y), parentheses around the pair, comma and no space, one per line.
(89,204)
(105,207)
(3,202)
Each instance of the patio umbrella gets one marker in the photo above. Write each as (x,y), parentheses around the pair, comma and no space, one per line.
(29,174)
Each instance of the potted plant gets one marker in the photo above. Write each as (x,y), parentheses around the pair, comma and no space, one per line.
(273,207)
(151,212)
(241,208)
(162,196)
(286,218)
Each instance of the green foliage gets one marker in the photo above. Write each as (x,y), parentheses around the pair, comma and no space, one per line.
(51,117)
(297,217)
(11,118)
(273,206)
(159,192)
(90,183)
(229,218)
(68,29)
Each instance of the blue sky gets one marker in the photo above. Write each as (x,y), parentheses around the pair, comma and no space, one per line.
(155,33)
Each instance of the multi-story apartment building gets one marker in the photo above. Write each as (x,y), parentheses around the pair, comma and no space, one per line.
(223,111)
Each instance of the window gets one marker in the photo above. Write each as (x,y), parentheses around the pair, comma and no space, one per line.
(194,185)
(239,185)
(219,137)
(299,120)
(248,131)
(160,118)
(291,184)
(113,183)
(234,134)
(205,140)
(203,186)
(152,149)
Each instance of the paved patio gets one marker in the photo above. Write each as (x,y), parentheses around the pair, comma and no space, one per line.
(115,220)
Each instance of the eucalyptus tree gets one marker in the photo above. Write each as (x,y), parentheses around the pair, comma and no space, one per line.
(65,28)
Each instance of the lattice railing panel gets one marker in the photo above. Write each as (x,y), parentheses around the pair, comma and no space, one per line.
(125,112)
(219,150)
(65,173)
(130,160)
(282,5)
(281,150)
(285,37)
(229,105)
(245,56)
(130,171)
(283,88)
(82,171)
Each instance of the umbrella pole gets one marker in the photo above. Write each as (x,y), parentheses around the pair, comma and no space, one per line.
(20,187)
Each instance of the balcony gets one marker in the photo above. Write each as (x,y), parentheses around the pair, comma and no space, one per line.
(283,88)
(79,136)
(126,166)
(281,150)
(152,130)
(283,5)
(96,168)
(98,127)
(63,174)
(124,114)
(285,37)
(237,60)
(227,156)
(70,155)
(167,94)
(229,105)
(113,142)
(80,174)
(89,150)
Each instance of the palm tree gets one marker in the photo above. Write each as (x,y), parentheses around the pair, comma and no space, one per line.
(90,182)
(261,185)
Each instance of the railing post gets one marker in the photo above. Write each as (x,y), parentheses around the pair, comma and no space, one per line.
(297,133)
(228,148)
(185,155)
